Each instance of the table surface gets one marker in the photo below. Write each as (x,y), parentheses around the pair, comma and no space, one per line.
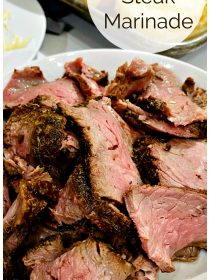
(84,35)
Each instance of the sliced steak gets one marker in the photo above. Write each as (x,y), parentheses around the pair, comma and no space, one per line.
(112,171)
(40,183)
(15,240)
(175,163)
(130,79)
(25,206)
(29,83)
(141,119)
(38,134)
(76,201)
(47,251)
(90,260)
(163,95)
(178,218)
(91,81)
(68,210)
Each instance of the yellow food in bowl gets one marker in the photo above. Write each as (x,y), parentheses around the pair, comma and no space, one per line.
(201,27)
(11,40)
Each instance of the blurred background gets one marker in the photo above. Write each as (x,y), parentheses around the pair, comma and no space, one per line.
(69,28)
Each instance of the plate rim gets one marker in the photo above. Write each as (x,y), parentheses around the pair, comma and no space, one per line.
(111,50)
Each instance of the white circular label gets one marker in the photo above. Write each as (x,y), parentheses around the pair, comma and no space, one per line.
(146,25)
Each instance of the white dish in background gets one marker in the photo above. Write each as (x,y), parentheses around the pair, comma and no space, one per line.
(110,60)
(27,21)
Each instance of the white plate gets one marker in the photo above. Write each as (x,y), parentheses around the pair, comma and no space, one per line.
(110,60)
(28,21)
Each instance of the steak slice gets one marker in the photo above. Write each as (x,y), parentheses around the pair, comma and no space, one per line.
(165,96)
(130,79)
(178,218)
(141,119)
(15,240)
(25,206)
(112,171)
(91,81)
(68,210)
(38,134)
(90,260)
(175,163)
(29,83)
(48,251)
(77,200)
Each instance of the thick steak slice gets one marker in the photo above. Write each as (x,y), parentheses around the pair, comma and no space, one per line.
(76,201)
(90,260)
(175,163)
(167,220)
(29,83)
(90,80)
(38,134)
(112,171)
(130,79)
(141,119)
(163,95)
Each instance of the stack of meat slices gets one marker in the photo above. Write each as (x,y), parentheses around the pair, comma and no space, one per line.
(103,180)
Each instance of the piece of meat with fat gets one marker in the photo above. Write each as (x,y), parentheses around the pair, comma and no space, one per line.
(130,79)
(173,163)
(29,83)
(91,81)
(88,259)
(178,218)
(164,96)
(112,170)
(141,119)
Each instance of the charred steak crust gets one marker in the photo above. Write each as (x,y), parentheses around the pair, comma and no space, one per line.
(38,134)
(172,162)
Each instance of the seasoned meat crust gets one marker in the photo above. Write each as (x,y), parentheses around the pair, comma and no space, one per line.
(38,134)
(175,162)
(112,171)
